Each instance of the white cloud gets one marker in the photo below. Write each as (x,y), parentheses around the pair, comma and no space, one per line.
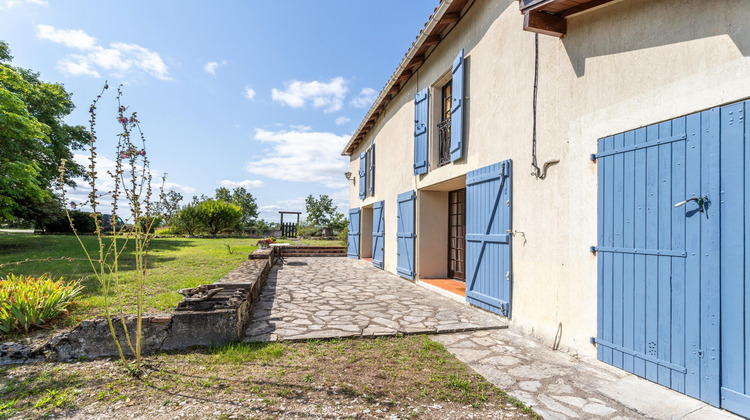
(247,184)
(342,120)
(177,187)
(302,156)
(120,59)
(105,185)
(9,4)
(270,212)
(365,98)
(77,66)
(73,38)
(249,93)
(301,127)
(211,66)
(329,96)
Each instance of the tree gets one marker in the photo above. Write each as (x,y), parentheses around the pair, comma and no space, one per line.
(188,219)
(169,205)
(321,211)
(244,200)
(218,215)
(34,140)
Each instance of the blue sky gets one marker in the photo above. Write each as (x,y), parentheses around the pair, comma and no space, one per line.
(263,94)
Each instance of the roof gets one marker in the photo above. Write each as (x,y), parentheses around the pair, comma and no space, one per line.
(445,16)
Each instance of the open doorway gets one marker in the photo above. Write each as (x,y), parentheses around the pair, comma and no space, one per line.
(442,237)
(365,247)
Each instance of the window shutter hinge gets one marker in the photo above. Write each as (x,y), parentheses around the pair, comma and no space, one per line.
(593,157)
(592,340)
(592,250)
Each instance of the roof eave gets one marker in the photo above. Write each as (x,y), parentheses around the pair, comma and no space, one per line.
(407,63)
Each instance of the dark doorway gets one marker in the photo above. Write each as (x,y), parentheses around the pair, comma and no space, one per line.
(457,234)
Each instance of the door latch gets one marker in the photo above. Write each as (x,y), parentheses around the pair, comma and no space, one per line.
(702,201)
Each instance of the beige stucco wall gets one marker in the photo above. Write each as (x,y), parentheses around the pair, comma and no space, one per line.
(623,66)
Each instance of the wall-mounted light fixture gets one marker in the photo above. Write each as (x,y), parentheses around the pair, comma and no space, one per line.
(349,176)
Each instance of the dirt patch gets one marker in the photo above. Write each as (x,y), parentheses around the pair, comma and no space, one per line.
(402,377)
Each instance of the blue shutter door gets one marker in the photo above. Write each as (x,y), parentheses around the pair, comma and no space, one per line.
(735,257)
(352,242)
(657,262)
(405,235)
(371,177)
(378,233)
(457,108)
(488,247)
(421,130)
(362,174)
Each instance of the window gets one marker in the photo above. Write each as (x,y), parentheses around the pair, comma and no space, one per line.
(444,126)
(367,173)
(445,143)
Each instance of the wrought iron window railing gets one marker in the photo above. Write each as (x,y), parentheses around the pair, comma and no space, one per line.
(444,142)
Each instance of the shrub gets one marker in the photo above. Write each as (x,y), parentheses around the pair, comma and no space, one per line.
(308,231)
(169,230)
(188,220)
(343,235)
(154,221)
(83,222)
(217,215)
(26,302)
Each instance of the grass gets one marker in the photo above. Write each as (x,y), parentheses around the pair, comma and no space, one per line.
(409,376)
(174,263)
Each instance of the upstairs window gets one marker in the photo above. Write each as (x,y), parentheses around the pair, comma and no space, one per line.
(444,126)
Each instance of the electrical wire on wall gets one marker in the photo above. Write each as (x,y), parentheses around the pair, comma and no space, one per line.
(539,173)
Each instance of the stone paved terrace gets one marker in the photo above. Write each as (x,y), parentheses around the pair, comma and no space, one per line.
(339,297)
(310,298)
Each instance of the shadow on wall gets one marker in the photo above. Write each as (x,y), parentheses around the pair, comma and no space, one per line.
(604,32)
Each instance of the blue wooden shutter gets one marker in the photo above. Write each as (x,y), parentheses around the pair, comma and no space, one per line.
(488,220)
(734,204)
(372,170)
(378,233)
(421,130)
(405,235)
(658,270)
(352,242)
(362,174)
(457,108)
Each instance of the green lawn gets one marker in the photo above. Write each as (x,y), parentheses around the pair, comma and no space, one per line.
(174,263)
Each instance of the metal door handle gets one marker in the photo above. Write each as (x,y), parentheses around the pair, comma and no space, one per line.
(699,200)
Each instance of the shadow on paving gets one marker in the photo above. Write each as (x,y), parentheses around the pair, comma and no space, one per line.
(333,297)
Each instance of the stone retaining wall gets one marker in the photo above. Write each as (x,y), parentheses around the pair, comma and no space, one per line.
(215,321)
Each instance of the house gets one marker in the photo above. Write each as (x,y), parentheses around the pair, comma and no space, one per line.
(581,166)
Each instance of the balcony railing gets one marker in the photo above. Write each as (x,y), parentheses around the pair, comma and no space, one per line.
(444,142)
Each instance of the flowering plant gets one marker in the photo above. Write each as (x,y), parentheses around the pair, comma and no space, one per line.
(264,243)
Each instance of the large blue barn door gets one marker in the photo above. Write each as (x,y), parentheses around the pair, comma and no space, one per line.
(352,242)
(378,233)
(405,235)
(658,253)
(735,256)
(488,222)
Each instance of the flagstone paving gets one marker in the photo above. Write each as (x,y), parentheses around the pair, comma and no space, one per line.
(315,298)
(558,385)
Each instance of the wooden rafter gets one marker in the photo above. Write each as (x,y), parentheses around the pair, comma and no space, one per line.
(546,24)
(583,7)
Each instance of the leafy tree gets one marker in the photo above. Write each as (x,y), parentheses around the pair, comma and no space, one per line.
(169,205)
(339,222)
(320,211)
(33,140)
(188,219)
(218,215)
(242,198)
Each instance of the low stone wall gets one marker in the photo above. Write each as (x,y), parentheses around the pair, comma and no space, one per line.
(218,320)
